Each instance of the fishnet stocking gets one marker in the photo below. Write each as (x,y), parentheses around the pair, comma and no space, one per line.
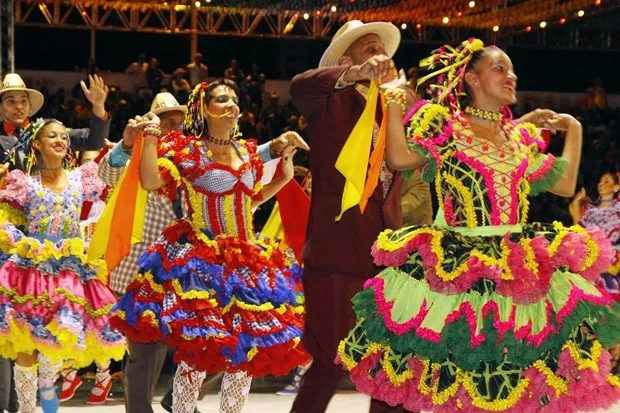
(26,387)
(187,382)
(234,393)
(48,373)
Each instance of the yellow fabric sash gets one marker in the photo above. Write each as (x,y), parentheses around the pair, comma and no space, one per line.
(352,162)
(122,222)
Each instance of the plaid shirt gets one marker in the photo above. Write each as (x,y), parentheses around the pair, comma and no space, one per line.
(159,214)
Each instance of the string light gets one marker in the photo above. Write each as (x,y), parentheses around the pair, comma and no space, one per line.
(597,2)
(543,24)
(528,28)
(495,28)
(580,13)
(403,26)
(418,26)
(334,9)
(472,4)
(197,3)
(306,16)
(445,20)
(562,20)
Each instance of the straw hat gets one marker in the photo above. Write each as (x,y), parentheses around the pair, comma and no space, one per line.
(353,30)
(165,102)
(13,81)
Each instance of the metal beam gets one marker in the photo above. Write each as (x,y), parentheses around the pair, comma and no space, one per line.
(194,21)
(7,37)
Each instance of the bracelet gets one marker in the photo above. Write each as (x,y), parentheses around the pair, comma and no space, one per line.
(397,96)
(152,129)
(126,149)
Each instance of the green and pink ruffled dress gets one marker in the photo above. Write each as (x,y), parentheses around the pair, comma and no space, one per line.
(483,311)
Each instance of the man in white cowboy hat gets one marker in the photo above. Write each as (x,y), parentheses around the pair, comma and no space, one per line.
(18,103)
(146,360)
(337,253)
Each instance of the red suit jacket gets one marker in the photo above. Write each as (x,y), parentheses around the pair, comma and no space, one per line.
(342,246)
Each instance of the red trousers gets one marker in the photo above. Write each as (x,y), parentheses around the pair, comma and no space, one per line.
(329,318)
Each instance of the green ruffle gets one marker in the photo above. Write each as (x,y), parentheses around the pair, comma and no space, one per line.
(407,295)
(455,337)
(429,170)
(549,180)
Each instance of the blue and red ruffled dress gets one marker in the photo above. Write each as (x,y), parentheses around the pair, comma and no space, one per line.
(223,298)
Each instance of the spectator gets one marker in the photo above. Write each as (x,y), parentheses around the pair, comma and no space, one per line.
(154,75)
(255,83)
(180,86)
(596,95)
(197,71)
(234,73)
(139,66)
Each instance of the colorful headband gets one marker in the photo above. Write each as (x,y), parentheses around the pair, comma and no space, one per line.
(453,63)
(27,137)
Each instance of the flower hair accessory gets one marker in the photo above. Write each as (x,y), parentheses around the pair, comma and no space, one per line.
(453,64)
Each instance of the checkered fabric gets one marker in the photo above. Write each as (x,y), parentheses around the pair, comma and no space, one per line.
(159,214)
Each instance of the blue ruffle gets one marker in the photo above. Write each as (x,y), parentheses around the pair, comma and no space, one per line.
(247,341)
(67,319)
(53,266)
(199,275)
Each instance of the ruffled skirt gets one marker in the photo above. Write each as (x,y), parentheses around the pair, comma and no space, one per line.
(55,302)
(223,304)
(467,322)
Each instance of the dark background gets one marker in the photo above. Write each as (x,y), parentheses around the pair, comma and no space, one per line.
(567,70)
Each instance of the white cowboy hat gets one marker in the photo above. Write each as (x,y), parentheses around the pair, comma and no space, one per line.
(165,102)
(353,30)
(13,81)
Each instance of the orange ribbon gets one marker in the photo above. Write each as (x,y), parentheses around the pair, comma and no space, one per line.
(375,160)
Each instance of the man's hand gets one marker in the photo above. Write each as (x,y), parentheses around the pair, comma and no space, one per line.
(379,66)
(288,169)
(96,94)
(287,139)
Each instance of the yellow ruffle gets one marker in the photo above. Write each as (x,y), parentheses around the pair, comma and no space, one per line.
(42,251)
(20,340)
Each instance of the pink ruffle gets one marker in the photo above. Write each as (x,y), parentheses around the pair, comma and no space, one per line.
(543,169)
(30,281)
(587,389)
(92,185)
(17,189)
(526,286)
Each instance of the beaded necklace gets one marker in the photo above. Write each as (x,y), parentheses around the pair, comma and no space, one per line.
(218,141)
(484,114)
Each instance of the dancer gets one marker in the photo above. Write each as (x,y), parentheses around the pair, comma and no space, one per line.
(18,103)
(333,98)
(482,311)
(54,304)
(222,298)
(605,215)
